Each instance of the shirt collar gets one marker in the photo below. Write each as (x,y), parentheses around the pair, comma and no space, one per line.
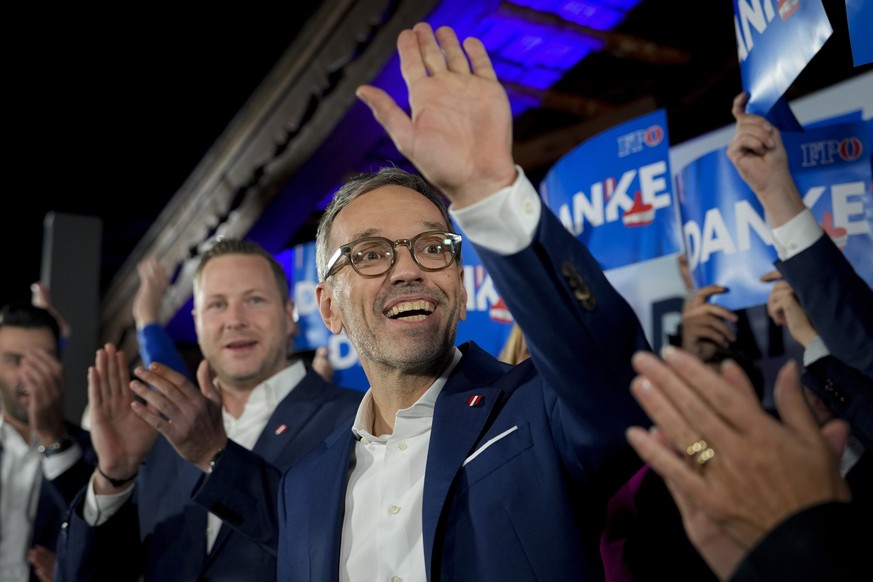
(269,393)
(422,408)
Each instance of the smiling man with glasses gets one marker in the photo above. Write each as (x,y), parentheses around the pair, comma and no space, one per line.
(373,256)
(459,466)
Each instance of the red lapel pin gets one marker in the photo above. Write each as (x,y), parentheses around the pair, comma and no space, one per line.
(474,400)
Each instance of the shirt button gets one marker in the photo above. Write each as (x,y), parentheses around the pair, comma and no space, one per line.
(402,445)
(396,579)
(365,440)
(393,509)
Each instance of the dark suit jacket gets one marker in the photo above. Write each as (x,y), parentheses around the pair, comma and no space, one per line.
(846,391)
(161,531)
(836,299)
(56,495)
(531,505)
(829,542)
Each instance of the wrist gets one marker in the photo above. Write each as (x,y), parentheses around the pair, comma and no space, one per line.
(143,322)
(115,482)
(214,461)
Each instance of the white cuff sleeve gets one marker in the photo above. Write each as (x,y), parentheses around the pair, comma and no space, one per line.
(796,235)
(815,351)
(99,508)
(504,222)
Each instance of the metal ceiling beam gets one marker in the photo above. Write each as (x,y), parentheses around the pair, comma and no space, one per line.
(345,43)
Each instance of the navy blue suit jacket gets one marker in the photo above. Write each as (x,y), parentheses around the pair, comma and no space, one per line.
(161,532)
(829,541)
(836,299)
(56,495)
(549,432)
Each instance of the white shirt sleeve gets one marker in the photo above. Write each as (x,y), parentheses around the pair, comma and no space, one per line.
(815,351)
(796,235)
(504,222)
(99,508)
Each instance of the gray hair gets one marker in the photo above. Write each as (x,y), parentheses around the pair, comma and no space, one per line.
(367,182)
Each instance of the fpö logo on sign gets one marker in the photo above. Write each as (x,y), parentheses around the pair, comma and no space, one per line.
(636,141)
(830,151)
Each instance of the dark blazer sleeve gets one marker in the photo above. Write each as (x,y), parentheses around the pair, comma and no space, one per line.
(67,484)
(825,542)
(243,490)
(837,300)
(581,334)
(847,393)
(119,556)
(56,495)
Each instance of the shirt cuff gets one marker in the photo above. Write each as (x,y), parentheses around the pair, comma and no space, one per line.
(99,508)
(816,350)
(504,222)
(796,235)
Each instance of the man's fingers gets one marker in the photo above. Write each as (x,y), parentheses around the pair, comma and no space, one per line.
(836,433)
(152,416)
(734,374)
(431,55)
(479,59)
(703,294)
(672,467)
(663,412)
(95,394)
(455,58)
(793,408)
(162,395)
(773,275)
(715,409)
(206,382)
(390,116)
(738,109)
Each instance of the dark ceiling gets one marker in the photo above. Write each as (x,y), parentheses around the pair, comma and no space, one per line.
(285,127)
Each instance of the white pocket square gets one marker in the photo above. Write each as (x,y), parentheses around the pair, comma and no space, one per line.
(490,442)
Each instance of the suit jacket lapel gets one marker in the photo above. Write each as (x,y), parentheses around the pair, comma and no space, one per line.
(326,516)
(290,417)
(458,424)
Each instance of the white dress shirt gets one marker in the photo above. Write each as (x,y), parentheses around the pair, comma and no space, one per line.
(382,529)
(796,235)
(22,469)
(244,431)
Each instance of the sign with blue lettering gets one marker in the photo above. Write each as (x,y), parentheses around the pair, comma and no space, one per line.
(727,238)
(615,193)
(775,42)
(488,321)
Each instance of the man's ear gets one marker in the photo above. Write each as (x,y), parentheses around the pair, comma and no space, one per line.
(330,316)
(293,327)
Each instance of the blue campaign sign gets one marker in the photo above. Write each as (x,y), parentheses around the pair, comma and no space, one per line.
(859,14)
(775,42)
(727,239)
(615,193)
(488,321)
